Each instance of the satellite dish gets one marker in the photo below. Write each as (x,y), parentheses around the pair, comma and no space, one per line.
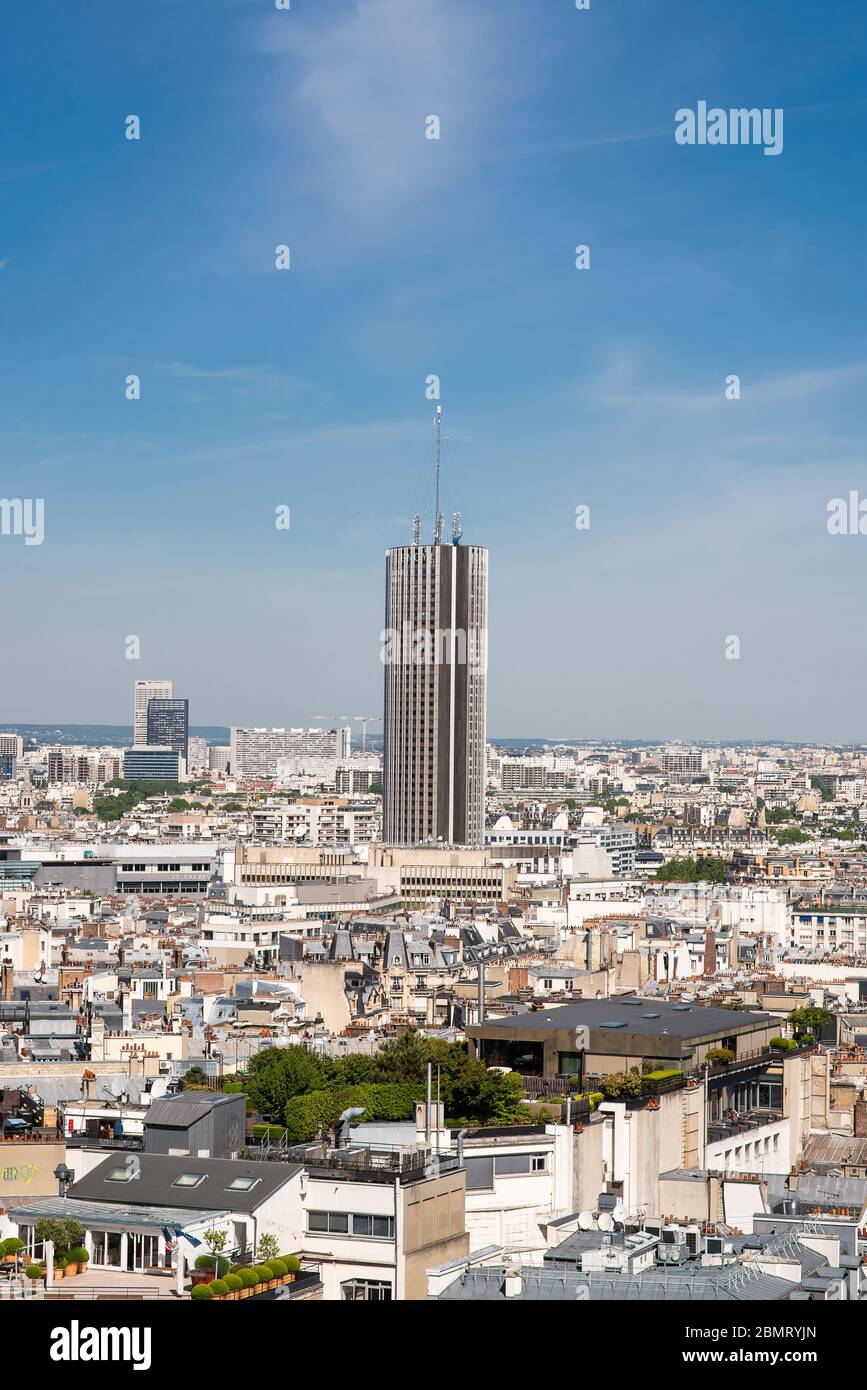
(300,832)
(159,1087)
(117,1086)
(619,1212)
(605,1221)
(585,1221)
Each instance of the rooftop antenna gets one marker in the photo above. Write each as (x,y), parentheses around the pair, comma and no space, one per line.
(438,516)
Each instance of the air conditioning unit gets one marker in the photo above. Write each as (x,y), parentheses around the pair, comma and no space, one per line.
(672,1254)
(694,1240)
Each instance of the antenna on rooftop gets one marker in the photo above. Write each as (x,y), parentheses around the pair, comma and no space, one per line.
(438,516)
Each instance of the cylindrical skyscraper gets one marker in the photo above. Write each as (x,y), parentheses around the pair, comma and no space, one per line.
(435,648)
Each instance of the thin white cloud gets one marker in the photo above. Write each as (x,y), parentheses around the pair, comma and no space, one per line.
(368,84)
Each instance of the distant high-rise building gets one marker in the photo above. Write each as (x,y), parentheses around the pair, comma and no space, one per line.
(680,761)
(197,753)
(168,723)
(435,657)
(151,764)
(218,757)
(146,691)
(13,745)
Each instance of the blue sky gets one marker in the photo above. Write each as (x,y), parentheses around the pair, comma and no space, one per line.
(456,257)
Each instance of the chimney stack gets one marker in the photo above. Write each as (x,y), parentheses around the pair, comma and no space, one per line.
(513,1284)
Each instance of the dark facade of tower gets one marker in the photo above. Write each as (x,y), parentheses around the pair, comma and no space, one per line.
(168,724)
(435,657)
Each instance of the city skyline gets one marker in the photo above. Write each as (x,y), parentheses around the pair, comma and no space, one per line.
(454,258)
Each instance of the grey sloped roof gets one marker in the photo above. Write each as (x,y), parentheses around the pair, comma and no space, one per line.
(395,945)
(341,945)
(835,1150)
(185,1109)
(158,1173)
(819,1190)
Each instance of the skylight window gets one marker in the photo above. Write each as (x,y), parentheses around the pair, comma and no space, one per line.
(121,1174)
(189,1179)
(242,1184)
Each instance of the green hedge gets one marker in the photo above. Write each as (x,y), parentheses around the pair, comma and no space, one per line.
(306,1115)
(664,1074)
(785,1044)
(268,1131)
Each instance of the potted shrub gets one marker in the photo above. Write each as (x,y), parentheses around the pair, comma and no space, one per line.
(203,1270)
(61,1264)
(234,1285)
(11,1250)
(248,1282)
(719,1056)
(202,1293)
(34,1273)
(263,1275)
(293,1265)
(271,1280)
(279,1270)
(219,1288)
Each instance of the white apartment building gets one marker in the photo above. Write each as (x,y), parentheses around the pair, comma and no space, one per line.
(516,1183)
(838,931)
(257,752)
(145,691)
(318,823)
(601,851)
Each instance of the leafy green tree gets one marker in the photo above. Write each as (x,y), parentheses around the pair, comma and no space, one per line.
(694,871)
(822,785)
(352,1070)
(792,835)
(404,1058)
(268,1248)
(809,1020)
(484,1096)
(195,1079)
(277,1074)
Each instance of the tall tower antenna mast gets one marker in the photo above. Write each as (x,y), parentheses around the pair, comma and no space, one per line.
(438,520)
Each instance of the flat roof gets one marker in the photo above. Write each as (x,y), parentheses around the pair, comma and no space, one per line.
(635,1015)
